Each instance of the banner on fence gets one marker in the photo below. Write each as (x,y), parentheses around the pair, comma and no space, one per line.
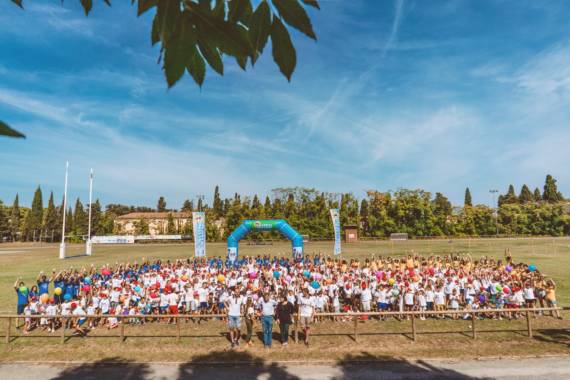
(335,217)
(199,227)
(113,239)
(158,237)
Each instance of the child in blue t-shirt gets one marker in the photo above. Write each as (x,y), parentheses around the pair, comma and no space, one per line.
(23,294)
(43,283)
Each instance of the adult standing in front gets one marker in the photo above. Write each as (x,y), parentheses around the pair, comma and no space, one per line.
(306,312)
(267,305)
(234,305)
(284,313)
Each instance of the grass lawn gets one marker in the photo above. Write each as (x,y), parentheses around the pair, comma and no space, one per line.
(377,340)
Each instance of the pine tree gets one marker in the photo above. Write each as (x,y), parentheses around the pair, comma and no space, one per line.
(15,218)
(79,219)
(217,204)
(525,195)
(468,201)
(537,195)
(51,221)
(187,206)
(508,198)
(69,221)
(267,207)
(550,193)
(95,218)
(34,219)
(161,205)
(4,227)
(200,205)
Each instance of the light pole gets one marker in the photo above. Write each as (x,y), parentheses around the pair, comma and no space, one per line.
(62,245)
(88,245)
(496,207)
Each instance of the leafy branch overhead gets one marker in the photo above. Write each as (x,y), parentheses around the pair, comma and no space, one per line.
(194,34)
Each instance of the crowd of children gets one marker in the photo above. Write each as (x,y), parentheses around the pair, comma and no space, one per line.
(204,286)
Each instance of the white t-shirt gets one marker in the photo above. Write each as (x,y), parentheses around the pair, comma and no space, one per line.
(306,306)
(267,308)
(234,305)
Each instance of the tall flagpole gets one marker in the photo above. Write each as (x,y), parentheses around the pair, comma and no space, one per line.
(88,244)
(62,245)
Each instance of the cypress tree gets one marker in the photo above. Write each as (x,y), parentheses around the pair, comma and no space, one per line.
(525,195)
(537,195)
(550,193)
(79,219)
(15,219)
(51,220)
(511,196)
(217,204)
(364,213)
(468,201)
(170,226)
(34,219)
(161,205)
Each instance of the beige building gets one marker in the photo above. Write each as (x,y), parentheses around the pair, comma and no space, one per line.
(156,222)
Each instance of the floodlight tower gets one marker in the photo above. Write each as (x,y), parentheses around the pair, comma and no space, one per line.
(62,245)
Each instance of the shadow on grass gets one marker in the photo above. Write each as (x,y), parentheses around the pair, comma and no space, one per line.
(557,336)
(232,365)
(368,366)
(109,369)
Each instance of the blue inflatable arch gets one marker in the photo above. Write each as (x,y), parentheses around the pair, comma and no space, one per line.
(265,225)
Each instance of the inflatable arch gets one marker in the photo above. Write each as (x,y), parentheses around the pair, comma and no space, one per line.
(265,225)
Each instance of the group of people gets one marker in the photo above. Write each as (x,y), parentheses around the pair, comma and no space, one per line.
(272,289)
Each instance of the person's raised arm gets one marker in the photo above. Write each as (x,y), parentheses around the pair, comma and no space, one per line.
(17,282)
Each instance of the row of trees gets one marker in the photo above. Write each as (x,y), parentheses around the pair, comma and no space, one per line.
(379,214)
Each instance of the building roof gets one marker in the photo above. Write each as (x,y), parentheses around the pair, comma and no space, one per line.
(155,215)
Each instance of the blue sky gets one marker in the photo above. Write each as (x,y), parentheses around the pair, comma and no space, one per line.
(437,95)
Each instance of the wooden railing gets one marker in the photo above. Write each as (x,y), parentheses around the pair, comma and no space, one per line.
(529,313)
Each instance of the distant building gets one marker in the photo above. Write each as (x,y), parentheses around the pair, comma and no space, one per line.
(157,222)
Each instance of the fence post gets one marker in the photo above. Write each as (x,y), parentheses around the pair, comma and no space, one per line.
(178,329)
(297,329)
(122,320)
(528,324)
(473,319)
(414,327)
(8,328)
(63,325)
(356,328)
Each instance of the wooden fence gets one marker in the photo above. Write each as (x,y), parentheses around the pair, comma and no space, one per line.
(411,315)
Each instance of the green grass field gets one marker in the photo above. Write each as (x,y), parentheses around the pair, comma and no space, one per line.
(332,340)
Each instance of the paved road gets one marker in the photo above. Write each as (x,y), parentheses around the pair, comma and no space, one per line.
(547,368)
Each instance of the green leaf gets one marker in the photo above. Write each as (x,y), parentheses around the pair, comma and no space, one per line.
(168,11)
(284,53)
(179,49)
(219,10)
(155,33)
(18,3)
(230,38)
(312,3)
(212,56)
(295,15)
(5,130)
(240,10)
(196,66)
(145,5)
(87,5)
(259,29)
(242,62)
